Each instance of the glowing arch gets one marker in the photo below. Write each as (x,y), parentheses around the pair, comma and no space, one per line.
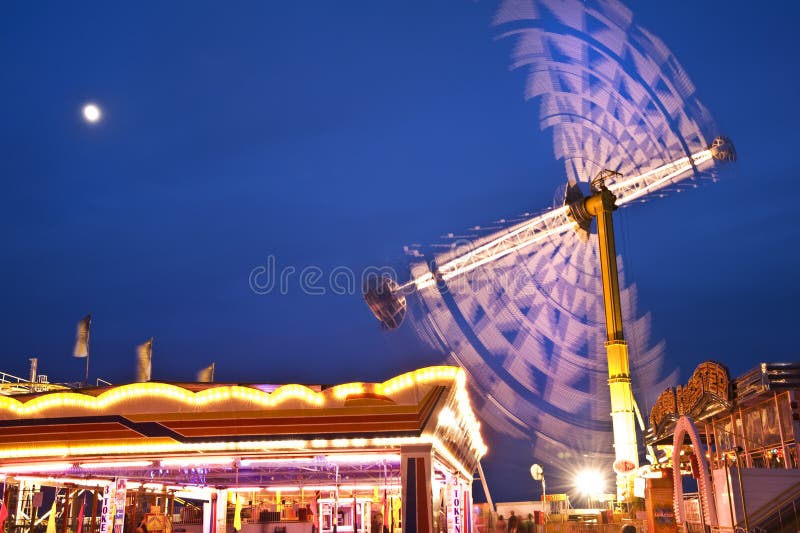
(682,427)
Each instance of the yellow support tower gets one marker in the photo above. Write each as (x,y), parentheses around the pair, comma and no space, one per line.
(600,205)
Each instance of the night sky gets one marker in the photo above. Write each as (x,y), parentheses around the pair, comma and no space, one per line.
(332,134)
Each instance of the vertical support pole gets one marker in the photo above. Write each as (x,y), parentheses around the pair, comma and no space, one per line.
(545,505)
(779,418)
(795,425)
(729,493)
(6,492)
(485,486)
(93,520)
(65,510)
(134,523)
(75,510)
(470,526)
(417,495)
(741,490)
(24,498)
(745,440)
(601,205)
(212,528)
(221,512)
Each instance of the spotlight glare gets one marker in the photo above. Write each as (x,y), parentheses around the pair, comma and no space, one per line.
(590,483)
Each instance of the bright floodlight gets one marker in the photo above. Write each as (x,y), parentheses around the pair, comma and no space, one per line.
(91,113)
(590,483)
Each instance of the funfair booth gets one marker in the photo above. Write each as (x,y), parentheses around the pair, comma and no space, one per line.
(396,456)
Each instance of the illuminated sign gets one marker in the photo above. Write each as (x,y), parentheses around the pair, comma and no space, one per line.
(107,510)
(456,510)
(119,504)
(624,466)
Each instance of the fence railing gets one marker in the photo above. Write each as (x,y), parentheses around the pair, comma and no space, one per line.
(637,526)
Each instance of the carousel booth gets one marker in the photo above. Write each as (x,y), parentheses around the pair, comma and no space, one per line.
(391,457)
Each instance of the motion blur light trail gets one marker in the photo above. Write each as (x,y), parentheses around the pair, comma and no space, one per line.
(557,221)
(527,322)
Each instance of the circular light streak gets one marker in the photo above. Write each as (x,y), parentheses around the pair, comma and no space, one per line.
(527,327)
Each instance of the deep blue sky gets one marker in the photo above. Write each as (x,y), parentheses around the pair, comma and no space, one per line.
(333,133)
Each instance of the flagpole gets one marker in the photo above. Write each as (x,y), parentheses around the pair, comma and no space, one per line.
(88,350)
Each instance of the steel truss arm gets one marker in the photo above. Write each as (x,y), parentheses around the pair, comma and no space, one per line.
(557,221)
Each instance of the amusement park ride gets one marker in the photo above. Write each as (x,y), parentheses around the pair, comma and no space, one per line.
(609,190)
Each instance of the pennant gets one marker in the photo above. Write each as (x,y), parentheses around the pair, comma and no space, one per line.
(144,361)
(206,375)
(237,513)
(385,511)
(391,513)
(82,337)
(51,520)
(80,514)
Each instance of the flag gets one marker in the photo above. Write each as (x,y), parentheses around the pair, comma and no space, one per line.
(4,514)
(206,375)
(237,513)
(80,514)
(385,511)
(144,361)
(51,520)
(391,513)
(82,337)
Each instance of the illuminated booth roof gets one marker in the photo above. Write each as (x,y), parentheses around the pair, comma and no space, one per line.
(222,435)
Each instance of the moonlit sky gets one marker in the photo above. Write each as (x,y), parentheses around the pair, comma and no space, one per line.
(332,134)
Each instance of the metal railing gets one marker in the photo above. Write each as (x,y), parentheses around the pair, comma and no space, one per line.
(10,378)
(577,527)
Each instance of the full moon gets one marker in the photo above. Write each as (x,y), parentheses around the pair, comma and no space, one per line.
(91,113)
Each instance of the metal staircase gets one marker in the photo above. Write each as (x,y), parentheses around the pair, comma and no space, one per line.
(782,515)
